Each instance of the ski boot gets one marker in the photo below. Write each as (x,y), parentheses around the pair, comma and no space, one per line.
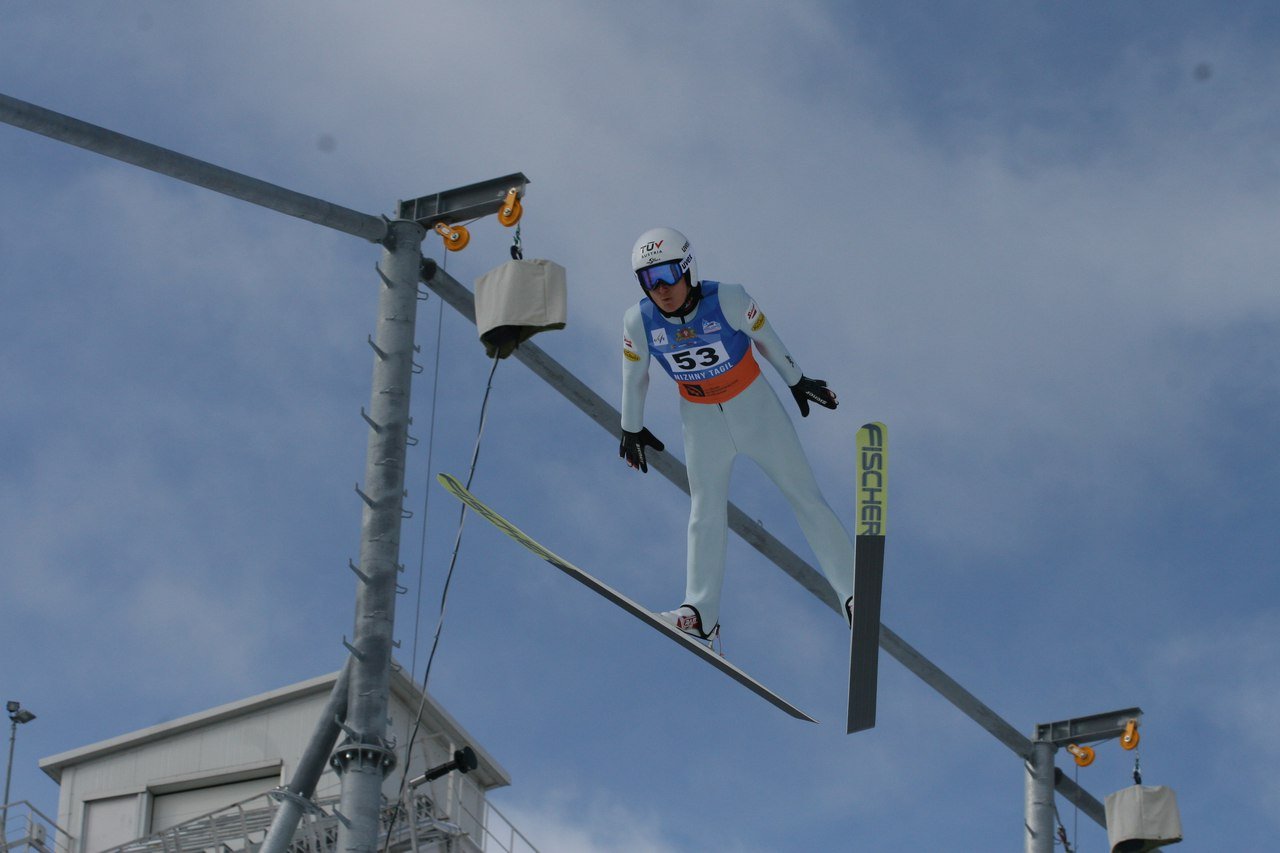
(687,620)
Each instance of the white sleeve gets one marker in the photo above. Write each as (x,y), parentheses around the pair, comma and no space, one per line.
(635,370)
(745,316)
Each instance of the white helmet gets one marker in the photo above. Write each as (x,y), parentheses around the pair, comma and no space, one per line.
(663,246)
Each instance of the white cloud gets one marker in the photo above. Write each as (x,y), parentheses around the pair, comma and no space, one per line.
(572,821)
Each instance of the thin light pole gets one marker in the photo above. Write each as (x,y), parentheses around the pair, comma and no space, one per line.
(17,714)
(8,775)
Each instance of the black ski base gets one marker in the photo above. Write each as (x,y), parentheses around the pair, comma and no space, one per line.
(864,640)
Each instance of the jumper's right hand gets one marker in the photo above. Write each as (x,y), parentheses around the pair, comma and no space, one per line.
(633,445)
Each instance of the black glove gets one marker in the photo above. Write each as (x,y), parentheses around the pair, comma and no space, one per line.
(633,445)
(813,389)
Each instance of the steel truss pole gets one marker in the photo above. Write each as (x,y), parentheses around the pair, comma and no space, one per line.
(367,756)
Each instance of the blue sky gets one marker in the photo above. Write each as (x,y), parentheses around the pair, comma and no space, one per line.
(1037,240)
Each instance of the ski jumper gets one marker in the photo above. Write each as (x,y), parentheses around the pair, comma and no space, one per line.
(728,408)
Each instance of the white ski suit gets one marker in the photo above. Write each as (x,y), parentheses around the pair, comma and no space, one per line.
(728,408)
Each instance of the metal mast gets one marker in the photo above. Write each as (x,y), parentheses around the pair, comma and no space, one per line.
(366,756)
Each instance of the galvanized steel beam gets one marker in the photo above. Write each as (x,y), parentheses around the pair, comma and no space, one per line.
(462,203)
(188,169)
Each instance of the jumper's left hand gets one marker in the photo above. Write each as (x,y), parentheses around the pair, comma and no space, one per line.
(813,389)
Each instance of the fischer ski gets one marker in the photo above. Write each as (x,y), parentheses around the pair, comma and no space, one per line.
(864,634)
(607,592)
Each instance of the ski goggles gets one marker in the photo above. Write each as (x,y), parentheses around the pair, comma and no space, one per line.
(661,275)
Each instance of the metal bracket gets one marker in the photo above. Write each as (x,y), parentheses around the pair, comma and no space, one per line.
(352,566)
(305,803)
(1087,729)
(463,203)
(355,653)
(385,280)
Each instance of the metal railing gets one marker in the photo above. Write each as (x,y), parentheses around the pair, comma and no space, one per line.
(27,829)
(445,819)
(495,827)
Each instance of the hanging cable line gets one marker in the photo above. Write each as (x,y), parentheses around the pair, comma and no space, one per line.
(462,515)
(426,491)
(444,597)
(517,253)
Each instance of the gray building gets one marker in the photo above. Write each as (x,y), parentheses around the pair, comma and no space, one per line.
(201,782)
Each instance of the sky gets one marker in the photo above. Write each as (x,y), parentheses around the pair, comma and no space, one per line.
(1037,240)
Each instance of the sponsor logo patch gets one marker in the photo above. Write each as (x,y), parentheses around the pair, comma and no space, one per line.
(758,324)
(685,333)
(871,482)
(710,327)
(659,337)
(629,355)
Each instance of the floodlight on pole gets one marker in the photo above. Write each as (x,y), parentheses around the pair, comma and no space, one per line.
(17,716)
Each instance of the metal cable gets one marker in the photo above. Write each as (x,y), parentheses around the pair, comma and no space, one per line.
(426,490)
(444,597)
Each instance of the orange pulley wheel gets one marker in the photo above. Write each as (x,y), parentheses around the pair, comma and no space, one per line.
(455,237)
(511,211)
(1084,755)
(1130,738)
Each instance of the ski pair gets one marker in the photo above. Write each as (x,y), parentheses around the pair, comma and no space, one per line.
(864,644)
(648,617)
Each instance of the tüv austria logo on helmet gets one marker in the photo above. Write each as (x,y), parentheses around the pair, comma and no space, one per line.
(651,252)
